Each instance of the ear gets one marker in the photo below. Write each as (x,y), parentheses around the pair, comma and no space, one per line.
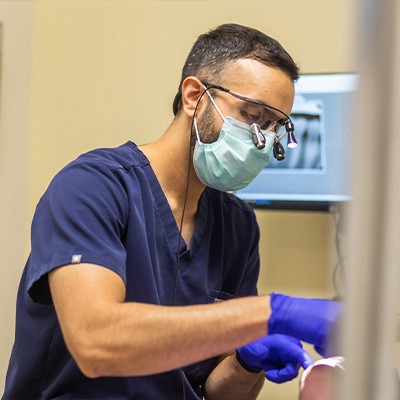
(192,89)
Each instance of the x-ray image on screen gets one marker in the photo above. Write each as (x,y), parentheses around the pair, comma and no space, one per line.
(308,119)
(316,171)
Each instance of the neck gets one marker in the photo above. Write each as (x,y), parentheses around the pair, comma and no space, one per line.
(169,158)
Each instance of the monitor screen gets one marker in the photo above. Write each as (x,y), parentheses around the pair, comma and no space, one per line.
(314,174)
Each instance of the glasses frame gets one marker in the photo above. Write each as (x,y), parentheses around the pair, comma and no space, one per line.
(287,123)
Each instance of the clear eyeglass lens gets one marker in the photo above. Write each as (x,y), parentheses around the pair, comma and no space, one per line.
(261,115)
(280,129)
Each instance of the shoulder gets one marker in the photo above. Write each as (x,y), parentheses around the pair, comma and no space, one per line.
(100,176)
(232,211)
(230,202)
(124,157)
(102,165)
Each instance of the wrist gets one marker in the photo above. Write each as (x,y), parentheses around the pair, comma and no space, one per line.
(246,366)
(279,320)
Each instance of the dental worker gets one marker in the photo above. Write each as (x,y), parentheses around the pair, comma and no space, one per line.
(141,281)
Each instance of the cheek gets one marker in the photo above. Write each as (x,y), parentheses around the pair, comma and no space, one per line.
(216,127)
(209,126)
(208,131)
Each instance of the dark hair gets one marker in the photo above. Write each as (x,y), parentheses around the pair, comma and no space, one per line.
(229,42)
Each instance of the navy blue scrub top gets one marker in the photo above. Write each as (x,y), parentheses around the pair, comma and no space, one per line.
(107,208)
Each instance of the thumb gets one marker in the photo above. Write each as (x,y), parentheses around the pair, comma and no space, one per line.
(305,359)
(301,356)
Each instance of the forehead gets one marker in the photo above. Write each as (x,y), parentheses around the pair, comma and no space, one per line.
(258,81)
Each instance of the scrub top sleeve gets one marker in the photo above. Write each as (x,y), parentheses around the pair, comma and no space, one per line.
(80,219)
(248,285)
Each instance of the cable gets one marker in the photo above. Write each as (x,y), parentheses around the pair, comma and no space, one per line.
(177,270)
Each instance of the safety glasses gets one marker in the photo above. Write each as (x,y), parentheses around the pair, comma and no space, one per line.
(251,112)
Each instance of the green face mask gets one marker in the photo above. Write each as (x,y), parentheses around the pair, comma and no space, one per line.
(233,161)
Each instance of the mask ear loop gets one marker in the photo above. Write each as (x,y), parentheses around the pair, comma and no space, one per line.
(196,130)
(215,104)
(206,89)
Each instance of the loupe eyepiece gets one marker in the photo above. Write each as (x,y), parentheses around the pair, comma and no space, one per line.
(278,150)
(291,139)
(258,137)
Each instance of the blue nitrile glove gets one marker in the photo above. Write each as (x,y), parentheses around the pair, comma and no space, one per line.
(280,356)
(310,320)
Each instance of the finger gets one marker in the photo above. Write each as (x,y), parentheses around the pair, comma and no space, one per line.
(298,354)
(305,359)
(269,365)
(282,375)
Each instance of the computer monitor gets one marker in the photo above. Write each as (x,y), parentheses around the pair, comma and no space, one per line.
(314,175)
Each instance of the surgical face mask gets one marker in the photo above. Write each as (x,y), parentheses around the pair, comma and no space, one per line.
(233,161)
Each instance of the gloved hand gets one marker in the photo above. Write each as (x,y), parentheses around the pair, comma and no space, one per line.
(280,356)
(310,320)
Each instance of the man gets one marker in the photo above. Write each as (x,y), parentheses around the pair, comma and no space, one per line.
(141,282)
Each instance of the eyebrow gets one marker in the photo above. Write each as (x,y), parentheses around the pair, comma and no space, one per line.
(241,97)
(255,101)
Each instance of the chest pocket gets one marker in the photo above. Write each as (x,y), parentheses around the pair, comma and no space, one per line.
(217,296)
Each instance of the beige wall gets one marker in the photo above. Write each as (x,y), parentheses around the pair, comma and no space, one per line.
(15,61)
(106,72)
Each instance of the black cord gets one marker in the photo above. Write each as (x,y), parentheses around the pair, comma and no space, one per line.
(177,271)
